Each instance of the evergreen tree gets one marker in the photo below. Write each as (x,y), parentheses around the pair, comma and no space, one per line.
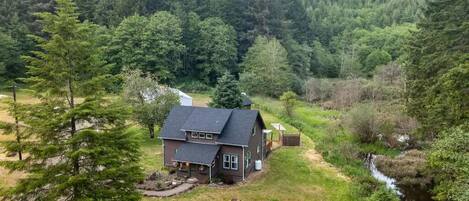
(81,150)
(437,69)
(227,93)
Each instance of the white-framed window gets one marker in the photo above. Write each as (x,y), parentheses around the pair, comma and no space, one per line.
(201,135)
(248,158)
(226,161)
(230,161)
(194,135)
(208,136)
(234,162)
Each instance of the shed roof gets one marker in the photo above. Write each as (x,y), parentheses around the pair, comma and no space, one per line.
(196,153)
(246,100)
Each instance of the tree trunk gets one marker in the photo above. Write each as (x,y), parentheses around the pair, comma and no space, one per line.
(151,128)
(73,128)
(17,127)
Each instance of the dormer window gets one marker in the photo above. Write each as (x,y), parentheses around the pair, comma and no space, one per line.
(194,135)
(201,135)
(208,136)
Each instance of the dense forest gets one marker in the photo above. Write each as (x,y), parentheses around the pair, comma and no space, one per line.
(197,41)
(395,68)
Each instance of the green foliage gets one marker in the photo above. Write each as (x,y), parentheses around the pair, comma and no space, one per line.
(449,157)
(152,44)
(227,93)
(323,64)
(383,194)
(289,101)
(375,58)
(266,68)
(10,64)
(438,69)
(215,49)
(151,103)
(81,150)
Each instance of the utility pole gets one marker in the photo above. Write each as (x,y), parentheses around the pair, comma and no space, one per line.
(18,138)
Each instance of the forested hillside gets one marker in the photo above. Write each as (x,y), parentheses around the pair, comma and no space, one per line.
(389,80)
(199,40)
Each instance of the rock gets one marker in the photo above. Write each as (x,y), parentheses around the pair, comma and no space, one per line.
(153,176)
(192,180)
(174,183)
(11,154)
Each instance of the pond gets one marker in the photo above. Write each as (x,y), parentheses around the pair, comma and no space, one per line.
(406,193)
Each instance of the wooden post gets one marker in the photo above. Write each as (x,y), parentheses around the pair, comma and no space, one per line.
(18,139)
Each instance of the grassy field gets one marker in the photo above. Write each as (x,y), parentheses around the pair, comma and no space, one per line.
(335,143)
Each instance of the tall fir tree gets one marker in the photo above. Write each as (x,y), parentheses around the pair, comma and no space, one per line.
(227,93)
(81,149)
(437,69)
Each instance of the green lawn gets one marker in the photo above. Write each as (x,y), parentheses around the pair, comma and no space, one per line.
(290,176)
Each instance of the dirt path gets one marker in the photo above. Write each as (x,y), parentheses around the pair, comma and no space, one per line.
(316,159)
(179,189)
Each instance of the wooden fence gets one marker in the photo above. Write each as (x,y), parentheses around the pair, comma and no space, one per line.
(291,139)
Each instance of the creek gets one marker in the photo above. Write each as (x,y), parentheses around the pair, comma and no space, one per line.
(405,192)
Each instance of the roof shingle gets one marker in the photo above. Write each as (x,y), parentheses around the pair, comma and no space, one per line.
(196,153)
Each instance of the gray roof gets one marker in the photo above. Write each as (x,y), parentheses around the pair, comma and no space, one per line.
(172,125)
(196,153)
(238,131)
(235,131)
(207,120)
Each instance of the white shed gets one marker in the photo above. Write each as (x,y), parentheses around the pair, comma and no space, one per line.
(184,99)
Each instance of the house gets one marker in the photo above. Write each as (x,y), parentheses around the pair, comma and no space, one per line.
(207,142)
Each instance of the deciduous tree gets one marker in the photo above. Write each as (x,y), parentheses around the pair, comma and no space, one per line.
(289,101)
(266,68)
(215,49)
(150,101)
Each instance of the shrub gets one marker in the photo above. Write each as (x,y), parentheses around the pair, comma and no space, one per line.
(450,162)
(390,73)
(360,120)
(365,185)
(347,93)
(384,194)
(194,86)
(318,89)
